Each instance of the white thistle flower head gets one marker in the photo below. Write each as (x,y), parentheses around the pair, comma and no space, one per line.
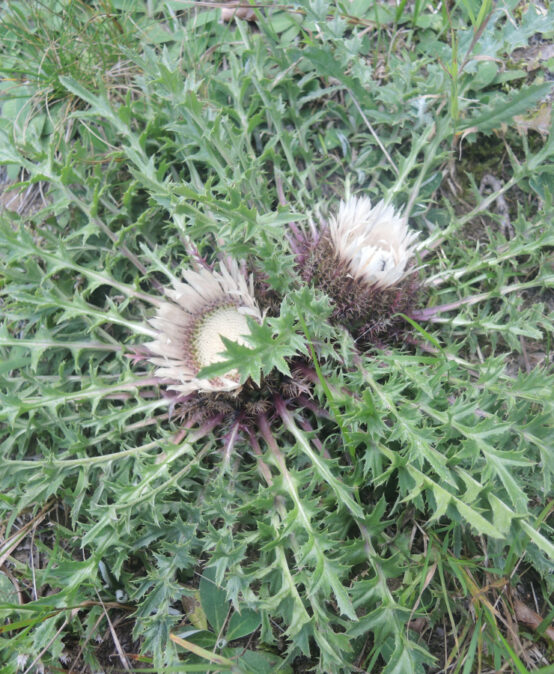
(375,242)
(209,306)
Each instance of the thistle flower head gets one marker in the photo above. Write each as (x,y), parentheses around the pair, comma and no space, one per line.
(190,327)
(375,242)
(361,260)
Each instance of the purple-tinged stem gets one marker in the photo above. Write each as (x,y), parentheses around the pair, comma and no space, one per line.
(147,381)
(230,442)
(262,465)
(194,253)
(428,313)
(302,243)
(179,436)
(119,389)
(414,342)
(283,412)
(296,237)
(199,433)
(308,404)
(308,372)
(129,396)
(98,346)
(305,425)
(263,425)
(137,353)
(206,428)
(267,435)
(147,422)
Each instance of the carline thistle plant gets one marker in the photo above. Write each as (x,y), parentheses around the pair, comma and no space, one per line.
(361,259)
(189,328)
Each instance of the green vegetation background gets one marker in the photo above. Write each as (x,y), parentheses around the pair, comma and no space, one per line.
(132,131)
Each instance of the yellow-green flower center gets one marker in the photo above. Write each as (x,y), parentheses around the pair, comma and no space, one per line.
(225,322)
